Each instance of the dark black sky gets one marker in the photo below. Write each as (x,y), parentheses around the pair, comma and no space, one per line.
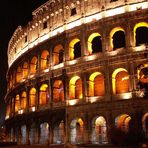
(12,14)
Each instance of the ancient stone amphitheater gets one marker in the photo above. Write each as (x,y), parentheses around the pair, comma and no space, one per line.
(77,71)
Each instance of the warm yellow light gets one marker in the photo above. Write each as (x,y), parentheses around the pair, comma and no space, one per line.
(33,109)
(48,34)
(72,87)
(114,78)
(73,102)
(91,37)
(71,48)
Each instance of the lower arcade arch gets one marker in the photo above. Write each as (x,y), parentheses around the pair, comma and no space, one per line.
(77,131)
(59,133)
(44,133)
(23,134)
(145,124)
(99,130)
(122,122)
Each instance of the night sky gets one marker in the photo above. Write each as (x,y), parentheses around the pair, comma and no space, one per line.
(12,14)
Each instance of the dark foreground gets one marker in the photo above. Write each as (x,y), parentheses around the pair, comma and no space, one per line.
(72,146)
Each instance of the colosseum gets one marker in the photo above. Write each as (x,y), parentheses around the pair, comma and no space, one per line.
(77,71)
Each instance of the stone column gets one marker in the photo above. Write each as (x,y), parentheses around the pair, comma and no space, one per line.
(27,97)
(107,81)
(86,130)
(50,134)
(83,39)
(37,101)
(84,85)
(37,134)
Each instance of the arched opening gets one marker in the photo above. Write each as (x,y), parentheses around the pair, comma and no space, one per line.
(25,70)
(117,38)
(99,130)
(19,74)
(74,49)
(77,131)
(58,91)
(23,100)
(96,84)
(44,95)
(17,103)
(145,124)
(59,133)
(141,33)
(23,134)
(122,122)
(16,134)
(141,36)
(44,133)
(75,88)
(94,43)
(32,134)
(120,81)
(44,59)
(33,65)
(58,53)
(32,97)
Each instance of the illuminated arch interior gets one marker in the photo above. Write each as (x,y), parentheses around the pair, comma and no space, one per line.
(25,70)
(58,91)
(43,94)
(139,25)
(23,134)
(19,74)
(58,54)
(73,49)
(77,129)
(33,65)
(75,88)
(120,81)
(58,133)
(44,133)
(94,43)
(122,122)
(17,103)
(44,59)
(23,100)
(99,130)
(32,97)
(113,31)
(96,84)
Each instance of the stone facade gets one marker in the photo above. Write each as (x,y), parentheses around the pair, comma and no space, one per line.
(74,72)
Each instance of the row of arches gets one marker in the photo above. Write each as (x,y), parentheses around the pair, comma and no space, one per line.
(98,132)
(117,40)
(95,87)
